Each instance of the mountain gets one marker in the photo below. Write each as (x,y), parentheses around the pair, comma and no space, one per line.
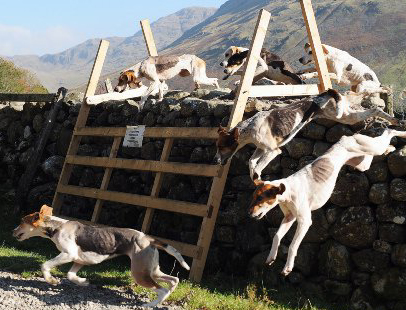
(72,67)
(372,31)
(16,80)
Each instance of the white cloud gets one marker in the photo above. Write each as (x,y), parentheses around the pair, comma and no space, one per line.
(16,40)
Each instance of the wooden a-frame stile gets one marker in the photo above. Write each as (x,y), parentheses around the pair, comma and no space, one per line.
(209,210)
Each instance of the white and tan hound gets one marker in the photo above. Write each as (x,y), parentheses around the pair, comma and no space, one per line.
(158,69)
(89,245)
(311,187)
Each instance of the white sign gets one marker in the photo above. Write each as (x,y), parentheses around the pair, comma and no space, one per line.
(133,136)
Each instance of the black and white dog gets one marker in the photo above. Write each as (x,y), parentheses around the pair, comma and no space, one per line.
(271,66)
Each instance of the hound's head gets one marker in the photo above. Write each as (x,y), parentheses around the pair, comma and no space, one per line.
(31,225)
(332,103)
(227,144)
(232,50)
(266,196)
(127,78)
(308,54)
(234,63)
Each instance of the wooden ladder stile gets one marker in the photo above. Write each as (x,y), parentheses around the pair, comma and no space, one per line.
(209,211)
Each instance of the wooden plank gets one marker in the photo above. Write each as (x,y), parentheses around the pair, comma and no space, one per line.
(152,132)
(148,37)
(217,188)
(315,42)
(132,93)
(106,178)
(27,97)
(138,200)
(149,213)
(109,87)
(146,165)
(283,90)
(81,121)
(249,72)
(185,249)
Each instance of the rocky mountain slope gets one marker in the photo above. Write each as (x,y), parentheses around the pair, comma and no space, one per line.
(72,67)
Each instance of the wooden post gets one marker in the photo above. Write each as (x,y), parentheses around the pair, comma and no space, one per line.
(106,179)
(26,179)
(148,37)
(109,88)
(81,121)
(315,42)
(216,192)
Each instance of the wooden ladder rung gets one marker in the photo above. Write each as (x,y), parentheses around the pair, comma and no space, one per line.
(138,200)
(152,132)
(283,90)
(146,165)
(186,249)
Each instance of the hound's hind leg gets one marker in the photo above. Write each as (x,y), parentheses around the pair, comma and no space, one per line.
(74,278)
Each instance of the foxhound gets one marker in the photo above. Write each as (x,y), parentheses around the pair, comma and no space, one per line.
(344,69)
(271,66)
(158,69)
(88,245)
(270,130)
(311,187)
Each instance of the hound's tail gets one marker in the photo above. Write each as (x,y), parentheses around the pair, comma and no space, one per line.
(170,250)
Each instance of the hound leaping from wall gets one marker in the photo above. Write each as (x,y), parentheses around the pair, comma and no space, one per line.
(311,187)
(158,69)
(270,130)
(89,245)
(344,69)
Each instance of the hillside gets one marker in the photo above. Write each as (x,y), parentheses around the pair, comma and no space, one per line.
(373,31)
(16,80)
(72,67)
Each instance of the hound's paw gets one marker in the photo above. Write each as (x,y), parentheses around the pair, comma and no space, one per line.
(149,305)
(82,282)
(51,280)
(286,271)
(270,261)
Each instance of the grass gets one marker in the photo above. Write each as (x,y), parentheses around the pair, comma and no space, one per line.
(217,292)
(16,80)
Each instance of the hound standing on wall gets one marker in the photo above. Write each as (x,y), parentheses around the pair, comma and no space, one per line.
(158,69)
(344,69)
(89,245)
(311,187)
(270,130)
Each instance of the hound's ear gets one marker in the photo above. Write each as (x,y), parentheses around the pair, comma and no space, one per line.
(258,182)
(236,133)
(46,211)
(307,45)
(221,129)
(325,50)
(282,189)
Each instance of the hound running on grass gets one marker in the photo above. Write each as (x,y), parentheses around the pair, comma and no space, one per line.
(89,245)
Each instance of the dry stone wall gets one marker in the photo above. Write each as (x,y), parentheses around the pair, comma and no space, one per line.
(355,249)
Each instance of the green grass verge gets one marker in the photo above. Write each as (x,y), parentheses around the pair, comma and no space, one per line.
(217,292)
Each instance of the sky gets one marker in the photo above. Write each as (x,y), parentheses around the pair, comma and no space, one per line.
(49,26)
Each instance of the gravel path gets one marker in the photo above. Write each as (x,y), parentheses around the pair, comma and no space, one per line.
(19,293)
